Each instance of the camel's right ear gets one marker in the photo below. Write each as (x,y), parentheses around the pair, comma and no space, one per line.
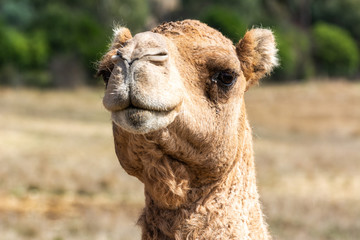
(257,53)
(105,66)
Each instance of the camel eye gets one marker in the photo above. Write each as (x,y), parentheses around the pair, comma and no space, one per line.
(224,78)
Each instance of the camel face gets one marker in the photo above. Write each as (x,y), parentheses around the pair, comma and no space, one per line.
(155,76)
(176,95)
(144,92)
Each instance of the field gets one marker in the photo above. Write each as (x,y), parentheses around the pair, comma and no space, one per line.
(60,179)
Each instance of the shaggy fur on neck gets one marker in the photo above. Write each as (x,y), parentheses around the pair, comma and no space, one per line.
(227,209)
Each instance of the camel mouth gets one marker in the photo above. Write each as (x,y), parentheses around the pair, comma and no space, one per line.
(141,120)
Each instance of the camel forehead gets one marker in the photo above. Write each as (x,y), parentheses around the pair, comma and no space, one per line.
(148,40)
(198,41)
(192,31)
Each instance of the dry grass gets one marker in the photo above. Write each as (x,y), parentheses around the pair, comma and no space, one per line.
(59,177)
(307,142)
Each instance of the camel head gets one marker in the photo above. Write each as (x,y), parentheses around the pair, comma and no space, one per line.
(176,97)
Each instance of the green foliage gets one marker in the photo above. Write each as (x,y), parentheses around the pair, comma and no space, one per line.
(36,34)
(335,50)
(248,10)
(19,13)
(74,32)
(287,56)
(343,13)
(38,49)
(34,41)
(22,50)
(294,54)
(131,13)
(71,30)
(226,21)
(14,47)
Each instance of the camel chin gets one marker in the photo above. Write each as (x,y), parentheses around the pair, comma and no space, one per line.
(142,121)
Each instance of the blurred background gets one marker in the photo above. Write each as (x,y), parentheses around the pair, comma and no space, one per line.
(59,176)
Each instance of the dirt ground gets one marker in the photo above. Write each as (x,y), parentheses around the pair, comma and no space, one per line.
(60,179)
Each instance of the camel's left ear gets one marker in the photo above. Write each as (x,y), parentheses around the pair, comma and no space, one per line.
(121,35)
(105,66)
(257,53)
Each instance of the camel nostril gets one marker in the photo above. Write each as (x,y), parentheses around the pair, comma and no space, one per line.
(160,56)
(117,56)
(164,52)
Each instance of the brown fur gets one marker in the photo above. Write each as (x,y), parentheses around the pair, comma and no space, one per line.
(257,55)
(199,172)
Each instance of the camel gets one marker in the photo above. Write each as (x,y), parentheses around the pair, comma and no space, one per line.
(176,97)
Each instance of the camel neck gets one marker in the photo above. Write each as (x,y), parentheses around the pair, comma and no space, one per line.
(229,210)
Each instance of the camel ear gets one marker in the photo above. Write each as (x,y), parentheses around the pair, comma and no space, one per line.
(121,35)
(105,66)
(257,53)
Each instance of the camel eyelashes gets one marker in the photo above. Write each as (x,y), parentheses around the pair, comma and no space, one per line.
(224,79)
